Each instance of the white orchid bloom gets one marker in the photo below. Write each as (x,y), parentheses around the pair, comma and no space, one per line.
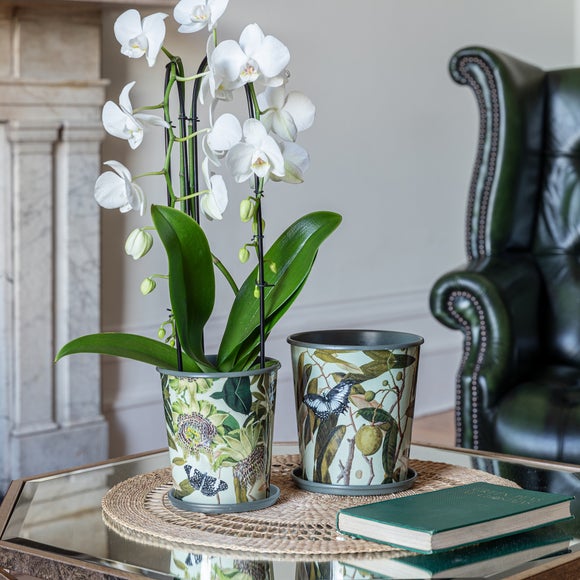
(117,190)
(212,86)
(258,154)
(225,133)
(296,163)
(193,15)
(285,114)
(138,38)
(214,202)
(256,57)
(120,121)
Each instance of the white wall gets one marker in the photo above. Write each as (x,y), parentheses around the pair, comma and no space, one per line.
(392,149)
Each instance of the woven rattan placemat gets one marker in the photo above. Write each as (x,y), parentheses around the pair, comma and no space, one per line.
(299,526)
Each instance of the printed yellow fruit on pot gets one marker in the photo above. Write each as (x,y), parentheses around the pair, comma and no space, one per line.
(368,439)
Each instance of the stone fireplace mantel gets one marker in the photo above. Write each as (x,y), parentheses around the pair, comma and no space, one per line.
(51,96)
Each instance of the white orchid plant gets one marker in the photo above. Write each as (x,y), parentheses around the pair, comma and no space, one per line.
(261,149)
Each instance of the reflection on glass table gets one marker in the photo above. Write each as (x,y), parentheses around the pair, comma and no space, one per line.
(58,519)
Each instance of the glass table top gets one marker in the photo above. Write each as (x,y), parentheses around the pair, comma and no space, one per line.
(61,516)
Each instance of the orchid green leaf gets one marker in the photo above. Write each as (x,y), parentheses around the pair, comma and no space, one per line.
(133,346)
(249,350)
(293,253)
(191,277)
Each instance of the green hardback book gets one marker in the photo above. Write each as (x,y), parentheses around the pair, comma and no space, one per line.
(476,561)
(452,517)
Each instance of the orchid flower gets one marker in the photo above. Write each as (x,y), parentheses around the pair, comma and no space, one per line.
(193,15)
(257,154)
(225,133)
(212,85)
(138,38)
(120,121)
(117,190)
(285,114)
(256,57)
(214,202)
(296,162)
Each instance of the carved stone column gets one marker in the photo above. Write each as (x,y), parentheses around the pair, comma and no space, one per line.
(51,97)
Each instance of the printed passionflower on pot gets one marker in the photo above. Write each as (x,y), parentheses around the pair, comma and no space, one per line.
(202,147)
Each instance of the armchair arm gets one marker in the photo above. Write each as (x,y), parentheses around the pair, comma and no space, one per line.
(494,302)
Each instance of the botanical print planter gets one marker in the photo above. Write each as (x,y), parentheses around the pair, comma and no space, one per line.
(219,431)
(355,398)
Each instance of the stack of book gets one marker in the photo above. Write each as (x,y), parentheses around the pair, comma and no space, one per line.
(437,521)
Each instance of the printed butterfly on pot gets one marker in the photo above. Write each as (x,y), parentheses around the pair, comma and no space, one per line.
(332,402)
(204,482)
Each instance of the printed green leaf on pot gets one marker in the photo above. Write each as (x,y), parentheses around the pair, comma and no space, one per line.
(230,424)
(324,431)
(389,450)
(236,394)
(403,360)
(383,361)
(330,357)
(294,253)
(327,453)
(375,415)
(191,277)
(185,488)
(305,420)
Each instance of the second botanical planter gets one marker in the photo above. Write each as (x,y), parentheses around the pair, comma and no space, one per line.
(355,398)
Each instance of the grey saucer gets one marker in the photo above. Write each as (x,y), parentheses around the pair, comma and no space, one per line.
(228,508)
(335,489)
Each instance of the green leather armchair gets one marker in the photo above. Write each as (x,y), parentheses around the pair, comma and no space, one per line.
(517,300)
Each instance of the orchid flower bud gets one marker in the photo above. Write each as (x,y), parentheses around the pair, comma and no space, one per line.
(138,243)
(147,286)
(243,255)
(246,210)
(255,227)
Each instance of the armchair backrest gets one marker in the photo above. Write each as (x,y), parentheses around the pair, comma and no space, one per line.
(558,226)
(525,191)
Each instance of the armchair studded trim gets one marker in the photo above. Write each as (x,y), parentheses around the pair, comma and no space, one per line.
(476,72)
(468,344)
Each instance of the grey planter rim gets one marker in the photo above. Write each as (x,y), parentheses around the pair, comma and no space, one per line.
(271,366)
(355,339)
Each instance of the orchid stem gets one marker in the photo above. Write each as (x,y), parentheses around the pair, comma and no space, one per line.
(254,112)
